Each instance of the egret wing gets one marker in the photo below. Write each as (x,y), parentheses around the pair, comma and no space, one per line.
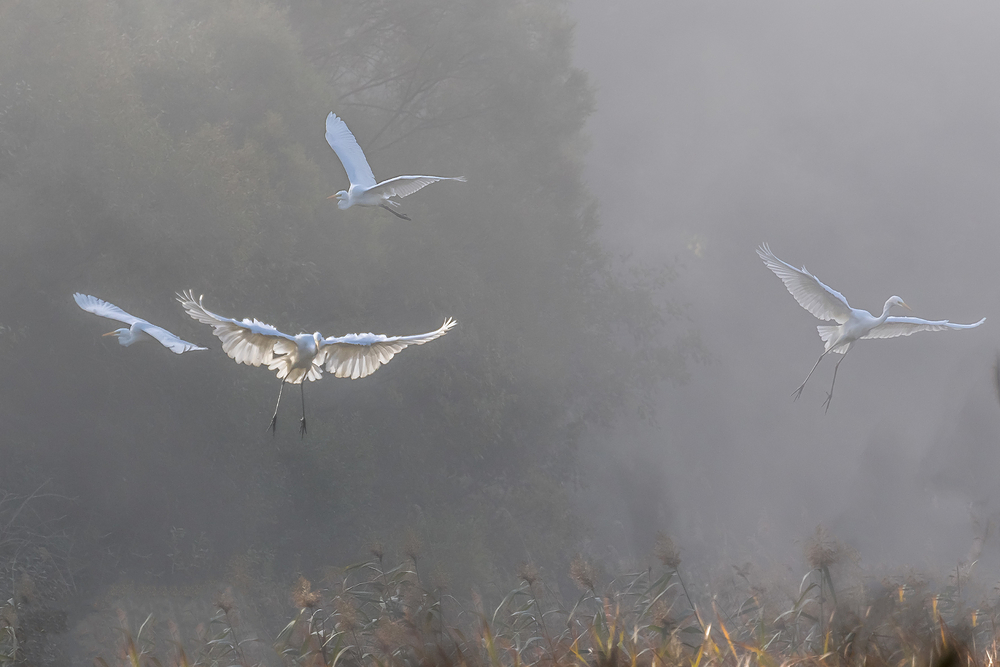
(820,300)
(358,355)
(92,304)
(401,186)
(169,340)
(249,342)
(347,149)
(904,326)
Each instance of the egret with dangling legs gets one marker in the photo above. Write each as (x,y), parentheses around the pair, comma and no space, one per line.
(364,191)
(305,356)
(853,324)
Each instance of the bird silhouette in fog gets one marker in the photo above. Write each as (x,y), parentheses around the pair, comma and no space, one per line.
(853,324)
(138,330)
(305,356)
(364,191)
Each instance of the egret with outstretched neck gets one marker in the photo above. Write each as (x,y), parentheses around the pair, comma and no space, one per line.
(139,330)
(364,191)
(853,324)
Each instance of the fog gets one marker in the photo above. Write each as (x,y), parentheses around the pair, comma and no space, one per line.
(623,361)
(861,141)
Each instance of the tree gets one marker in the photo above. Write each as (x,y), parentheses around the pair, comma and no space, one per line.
(152,147)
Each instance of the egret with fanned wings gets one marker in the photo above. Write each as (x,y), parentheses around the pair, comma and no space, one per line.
(364,191)
(138,330)
(853,324)
(305,356)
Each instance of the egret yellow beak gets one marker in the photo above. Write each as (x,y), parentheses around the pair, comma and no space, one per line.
(110,333)
(332,197)
(905,306)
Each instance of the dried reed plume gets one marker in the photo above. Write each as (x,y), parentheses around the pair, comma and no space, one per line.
(303,596)
(822,550)
(224,600)
(412,546)
(583,574)
(665,550)
(348,615)
(528,573)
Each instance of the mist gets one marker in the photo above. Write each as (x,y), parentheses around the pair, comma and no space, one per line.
(617,386)
(859,141)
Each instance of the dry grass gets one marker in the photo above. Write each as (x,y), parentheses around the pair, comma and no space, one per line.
(375,615)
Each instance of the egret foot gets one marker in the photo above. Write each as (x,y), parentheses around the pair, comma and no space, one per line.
(302,427)
(829,397)
(398,215)
(798,392)
(274,417)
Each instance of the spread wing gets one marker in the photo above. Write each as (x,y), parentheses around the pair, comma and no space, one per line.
(347,149)
(814,296)
(402,186)
(92,304)
(169,340)
(358,355)
(100,307)
(904,326)
(248,342)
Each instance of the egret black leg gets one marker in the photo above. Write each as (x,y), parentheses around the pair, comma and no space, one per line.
(798,392)
(829,397)
(274,418)
(302,424)
(398,215)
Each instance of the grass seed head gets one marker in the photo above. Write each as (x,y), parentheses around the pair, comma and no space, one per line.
(348,614)
(659,614)
(224,600)
(412,546)
(528,572)
(665,550)
(822,550)
(303,596)
(583,573)
(390,636)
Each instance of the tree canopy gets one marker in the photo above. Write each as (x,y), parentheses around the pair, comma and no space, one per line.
(148,147)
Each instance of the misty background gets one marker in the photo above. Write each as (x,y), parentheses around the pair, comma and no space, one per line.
(623,360)
(861,141)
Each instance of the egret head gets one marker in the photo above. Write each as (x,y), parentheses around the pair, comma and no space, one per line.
(342,199)
(897,301)
(123,335)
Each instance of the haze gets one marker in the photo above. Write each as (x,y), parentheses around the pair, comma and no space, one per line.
(622,362)
(861,141)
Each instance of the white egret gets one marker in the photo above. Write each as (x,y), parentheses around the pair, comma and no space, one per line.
(852,324)
(138,329)
(364,191)
(305,356)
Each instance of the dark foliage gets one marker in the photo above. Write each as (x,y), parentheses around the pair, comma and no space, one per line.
(148,147)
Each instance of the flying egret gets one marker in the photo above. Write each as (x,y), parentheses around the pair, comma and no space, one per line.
(138,330)
(305,356)
(364,191)
(852,324)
